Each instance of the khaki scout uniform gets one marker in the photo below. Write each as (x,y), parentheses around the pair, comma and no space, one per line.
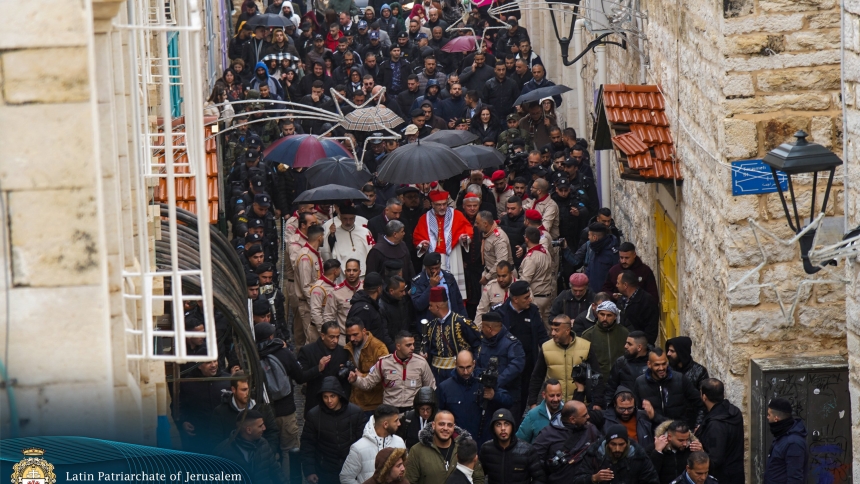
(491,295)
(536,268)
(400,379)
(295,242)
(322,301)
(549,211)
(308,270)
(338,311)
(495,247)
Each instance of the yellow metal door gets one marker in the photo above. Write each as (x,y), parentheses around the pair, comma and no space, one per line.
(667,273)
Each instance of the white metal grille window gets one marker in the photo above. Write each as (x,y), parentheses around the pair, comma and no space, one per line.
(170,154)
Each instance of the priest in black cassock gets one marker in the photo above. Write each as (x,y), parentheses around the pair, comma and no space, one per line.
(391,247)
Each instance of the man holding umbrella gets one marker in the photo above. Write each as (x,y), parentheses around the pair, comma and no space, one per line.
(442,230)
(344,239)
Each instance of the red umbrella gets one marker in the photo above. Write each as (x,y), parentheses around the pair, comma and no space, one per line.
(302,150)
(465,43)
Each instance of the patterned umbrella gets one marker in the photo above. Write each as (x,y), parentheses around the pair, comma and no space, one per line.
(280,56)
(465,43)
(371,119)
(302,150)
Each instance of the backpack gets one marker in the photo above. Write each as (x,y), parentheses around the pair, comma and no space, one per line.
(278,383)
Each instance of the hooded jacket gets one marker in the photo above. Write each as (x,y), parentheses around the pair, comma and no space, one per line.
(328,434)
(788,459)
(256,81)
(426,465)
(488,132)
(722,437)
(257,458)
(384,462)
(624,373)
(634,466)
(411,423)
(366,309)
(672,397)
(517,463)
(669,463)
(644,434)
(397,315)
(361,461)
(573,442)
(694,372)
(287,405)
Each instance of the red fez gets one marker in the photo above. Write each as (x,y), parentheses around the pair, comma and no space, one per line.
(437,294)
(498,175)
(533,214)
(438,196)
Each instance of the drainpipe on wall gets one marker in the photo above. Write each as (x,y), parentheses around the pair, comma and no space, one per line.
(580,82)
(603,158)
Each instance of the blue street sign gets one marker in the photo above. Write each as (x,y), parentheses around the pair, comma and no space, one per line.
(753,177)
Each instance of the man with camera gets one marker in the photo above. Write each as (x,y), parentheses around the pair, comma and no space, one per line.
(497,342)
(616,459)
(561,445)
(322,358)
(364,351)
(401,374)
(473,399)
(571,361)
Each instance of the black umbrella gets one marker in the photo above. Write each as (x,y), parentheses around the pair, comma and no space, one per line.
(330,194)
(338,170)
(452,138)
(541,93)
(268,20)
(480,157)
(421,162)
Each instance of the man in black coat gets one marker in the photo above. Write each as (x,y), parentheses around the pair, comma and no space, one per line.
(365,306)
(506,458)
(696,470)
(319,100)
(197,400)
(467,459)
(500,92)
(235,402)
(630,365)
(391,247)
(573,301)
(392,211)
(321,359)
(247,447)
(680,353)
(616,459)
(672,446)
(622,409)
(666,395)
(641,311)
(396,309)
(330,429)
(513,224)
(571,433)
(722,434)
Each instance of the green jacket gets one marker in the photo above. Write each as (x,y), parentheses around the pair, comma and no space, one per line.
(536,419)
(426,465)
(606,344)
(348,6)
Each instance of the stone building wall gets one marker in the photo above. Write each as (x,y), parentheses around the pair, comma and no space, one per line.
(744,75)
(850,86)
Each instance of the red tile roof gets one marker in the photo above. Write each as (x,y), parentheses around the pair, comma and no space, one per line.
(643,138)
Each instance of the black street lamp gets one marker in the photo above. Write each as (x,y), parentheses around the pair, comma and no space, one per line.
(802,157)
(564,41)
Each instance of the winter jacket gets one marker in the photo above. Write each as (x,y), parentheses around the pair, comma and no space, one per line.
(328,434)
(512,359)
(597,258)
(624,372)
(361,461)
(535,421)
(426,464)
(607,344)
(573,442)
(647,281)
(410,422)
(501,95)
(199,399)
(788,459)
(461,397)
(642,313)
(474,80)
(644,435)
(287,405)
(557,361)
(669,463)
(634,467)
(366,309)
(517,463)
(371,352)
(309,357)
(224,420)
(694,372)
(420,294)
(567,304)
(384,462)
(722,437)
(683,479)
(672,398)
(397,315)
(490,132)
(347,6)
(257,458)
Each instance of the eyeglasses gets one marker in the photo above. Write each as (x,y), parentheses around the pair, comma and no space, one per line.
(625,410)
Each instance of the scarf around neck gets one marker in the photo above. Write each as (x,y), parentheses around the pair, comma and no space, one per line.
(433,230)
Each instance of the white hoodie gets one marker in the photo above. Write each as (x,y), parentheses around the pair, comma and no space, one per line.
(361,461)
